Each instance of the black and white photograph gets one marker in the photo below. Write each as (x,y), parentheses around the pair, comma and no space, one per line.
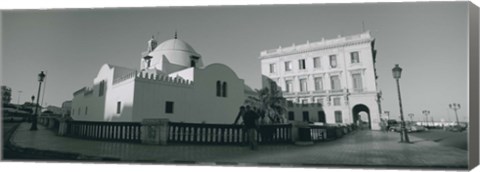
(357,85)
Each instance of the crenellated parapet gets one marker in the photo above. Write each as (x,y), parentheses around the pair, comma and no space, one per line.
(162,79)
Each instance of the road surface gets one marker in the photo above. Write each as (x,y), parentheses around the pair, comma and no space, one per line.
(445,138)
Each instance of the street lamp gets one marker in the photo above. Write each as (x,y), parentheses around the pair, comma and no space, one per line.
(41,76)
(397,72)
(455,107)
(19,94)
(426,113)
(411,116)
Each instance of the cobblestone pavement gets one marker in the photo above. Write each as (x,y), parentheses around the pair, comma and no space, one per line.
(360,148)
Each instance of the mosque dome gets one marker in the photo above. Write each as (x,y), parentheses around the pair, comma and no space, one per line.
(176,45)
(178,53)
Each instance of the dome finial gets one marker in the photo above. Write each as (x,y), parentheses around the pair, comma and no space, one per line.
(175,34)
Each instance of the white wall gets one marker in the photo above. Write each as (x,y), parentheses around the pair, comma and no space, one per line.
(217,109)
(151,95)
(193,102)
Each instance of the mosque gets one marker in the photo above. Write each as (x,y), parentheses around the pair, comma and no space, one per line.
(172,82)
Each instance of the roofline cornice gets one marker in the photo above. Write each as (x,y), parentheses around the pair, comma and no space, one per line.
(317,48)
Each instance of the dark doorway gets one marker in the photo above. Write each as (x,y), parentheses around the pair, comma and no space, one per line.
(356,111)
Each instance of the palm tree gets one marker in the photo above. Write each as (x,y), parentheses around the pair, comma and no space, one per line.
(270,103)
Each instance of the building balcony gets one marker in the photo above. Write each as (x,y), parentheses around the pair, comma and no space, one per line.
(319,92)
(358,90)
(303,93)
(337,91)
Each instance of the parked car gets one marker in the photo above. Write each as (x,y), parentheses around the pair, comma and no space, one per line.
(410,128)
(456,128)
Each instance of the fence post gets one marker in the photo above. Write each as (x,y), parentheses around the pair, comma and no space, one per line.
(154,131)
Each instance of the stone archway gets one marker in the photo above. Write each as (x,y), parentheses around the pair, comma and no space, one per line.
(361,109)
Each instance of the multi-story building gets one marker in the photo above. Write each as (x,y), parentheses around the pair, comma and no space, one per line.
(337,74)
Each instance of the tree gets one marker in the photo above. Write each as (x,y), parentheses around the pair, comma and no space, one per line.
(270,103)
(6,94)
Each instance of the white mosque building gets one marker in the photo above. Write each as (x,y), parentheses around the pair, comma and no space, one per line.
(172,83)
(337,76)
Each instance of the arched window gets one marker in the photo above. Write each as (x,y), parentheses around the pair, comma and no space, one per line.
(224,89)
(219,91)
(101,89)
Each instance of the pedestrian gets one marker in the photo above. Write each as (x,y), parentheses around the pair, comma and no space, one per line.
(250,122)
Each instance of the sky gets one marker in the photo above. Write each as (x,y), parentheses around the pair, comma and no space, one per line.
(428,40)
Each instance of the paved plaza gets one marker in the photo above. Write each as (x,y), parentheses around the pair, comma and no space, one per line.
(360,148)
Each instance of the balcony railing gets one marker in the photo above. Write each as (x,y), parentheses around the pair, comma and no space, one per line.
(337,91)
(320,92)
(358,90)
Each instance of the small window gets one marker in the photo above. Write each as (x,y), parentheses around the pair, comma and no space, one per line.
(79,111)
(288,66)
(338,116)
(335,82)
(301,64)
(192,63)
(291,115)
(168,107)
(357,82)
(224,89)
(321,116)
(119,106)
(86,110)
(272,68)
(318,83)
(336,101)
(333,61)
(354,58)
(306,117)
(289,85)
(303,85)
(101,88)
(219,88)
(316,62)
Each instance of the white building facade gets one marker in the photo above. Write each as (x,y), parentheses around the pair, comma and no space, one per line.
(337,74)
(171,83)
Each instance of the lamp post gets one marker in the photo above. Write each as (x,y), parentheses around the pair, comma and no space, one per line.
(19,94)
(426,113)
(455,107)
(411,116)
(397,72)
(41,76)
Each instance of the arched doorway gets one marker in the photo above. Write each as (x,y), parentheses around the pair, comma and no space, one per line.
(362,113)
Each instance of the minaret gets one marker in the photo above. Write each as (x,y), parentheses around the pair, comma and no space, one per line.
(152,44)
